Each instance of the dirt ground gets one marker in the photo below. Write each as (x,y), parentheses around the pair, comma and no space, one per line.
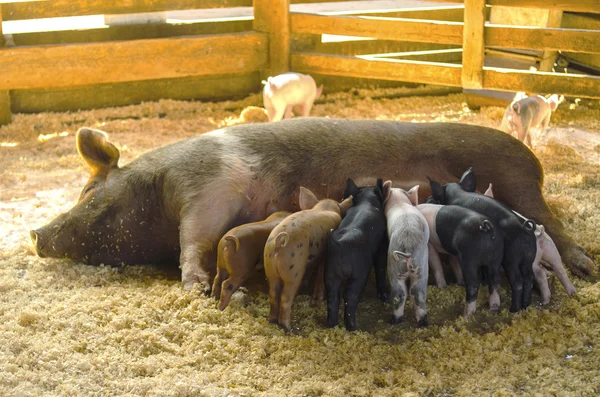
(71,329)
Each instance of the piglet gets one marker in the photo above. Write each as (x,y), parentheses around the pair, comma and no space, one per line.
(518,235)
(547,252)
(239,253)
(528,113)
(285,91)
(352,251)
(471,237)
(298,243)
(408,252)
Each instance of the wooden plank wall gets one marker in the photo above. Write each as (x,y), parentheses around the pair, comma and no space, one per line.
(128,64)
(473,35)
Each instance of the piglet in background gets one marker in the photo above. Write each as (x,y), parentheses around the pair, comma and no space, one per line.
(527,113)
(289,90)
(546,252)
(408,251)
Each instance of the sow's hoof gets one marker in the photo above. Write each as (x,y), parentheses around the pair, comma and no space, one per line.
(578,261)
(423,322)
(397,320)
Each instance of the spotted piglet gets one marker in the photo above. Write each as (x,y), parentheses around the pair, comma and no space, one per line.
(407,253)
(471,237)
(239,253)
(298,244)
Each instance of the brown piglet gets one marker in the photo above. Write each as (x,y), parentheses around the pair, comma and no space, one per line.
(239,254)
(298,244)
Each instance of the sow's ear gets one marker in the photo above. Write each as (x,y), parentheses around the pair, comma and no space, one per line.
(467,181)
(351,188)
(95,149)
(307,199)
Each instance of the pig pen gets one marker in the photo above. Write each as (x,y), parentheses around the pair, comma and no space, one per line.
(71,329)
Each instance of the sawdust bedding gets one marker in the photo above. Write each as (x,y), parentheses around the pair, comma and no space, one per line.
(71,329)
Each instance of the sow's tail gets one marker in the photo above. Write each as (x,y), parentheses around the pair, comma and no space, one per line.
(233,239)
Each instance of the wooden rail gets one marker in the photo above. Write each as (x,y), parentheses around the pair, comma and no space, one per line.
(564,5)
(111,62)
(377,68)
(63,8)
(381,28)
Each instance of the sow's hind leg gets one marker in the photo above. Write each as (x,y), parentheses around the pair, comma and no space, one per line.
(520,187)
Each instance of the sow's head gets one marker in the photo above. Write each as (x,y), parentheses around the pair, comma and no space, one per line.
(109,224)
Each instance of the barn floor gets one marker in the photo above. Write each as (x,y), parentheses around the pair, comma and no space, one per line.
(71,329)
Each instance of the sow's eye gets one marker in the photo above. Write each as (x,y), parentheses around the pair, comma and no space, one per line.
(86,190)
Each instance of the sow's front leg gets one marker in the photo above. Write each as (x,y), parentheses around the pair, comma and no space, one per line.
(203,223)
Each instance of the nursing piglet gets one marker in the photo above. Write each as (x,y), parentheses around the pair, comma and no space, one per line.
(546,252)
(471,237)
(352,251)
(296,245)
(529,113)
(239,253)
(518,235)
(407,253)
(285,91)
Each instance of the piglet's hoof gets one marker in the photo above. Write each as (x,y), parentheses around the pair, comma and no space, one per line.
(203,287)
(383,297)
(397,320)
(423,322)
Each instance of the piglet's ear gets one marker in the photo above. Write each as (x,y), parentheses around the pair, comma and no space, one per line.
(351,188)
(95,149)
(379,187)
(344,205)
(413,195)
(467,181)
(387,190)
(307,199)
(489,192)
(438,192)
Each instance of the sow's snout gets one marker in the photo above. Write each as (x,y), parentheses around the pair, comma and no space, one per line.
(48,241)
(37,242)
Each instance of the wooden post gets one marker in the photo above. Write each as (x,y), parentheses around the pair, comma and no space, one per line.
(273,17)
(473,44)
(549,57)
(5,114)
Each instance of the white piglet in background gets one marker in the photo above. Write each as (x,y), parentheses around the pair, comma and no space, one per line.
(527,113)
(286,91)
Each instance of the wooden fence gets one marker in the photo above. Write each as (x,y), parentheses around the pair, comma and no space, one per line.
(218,58)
